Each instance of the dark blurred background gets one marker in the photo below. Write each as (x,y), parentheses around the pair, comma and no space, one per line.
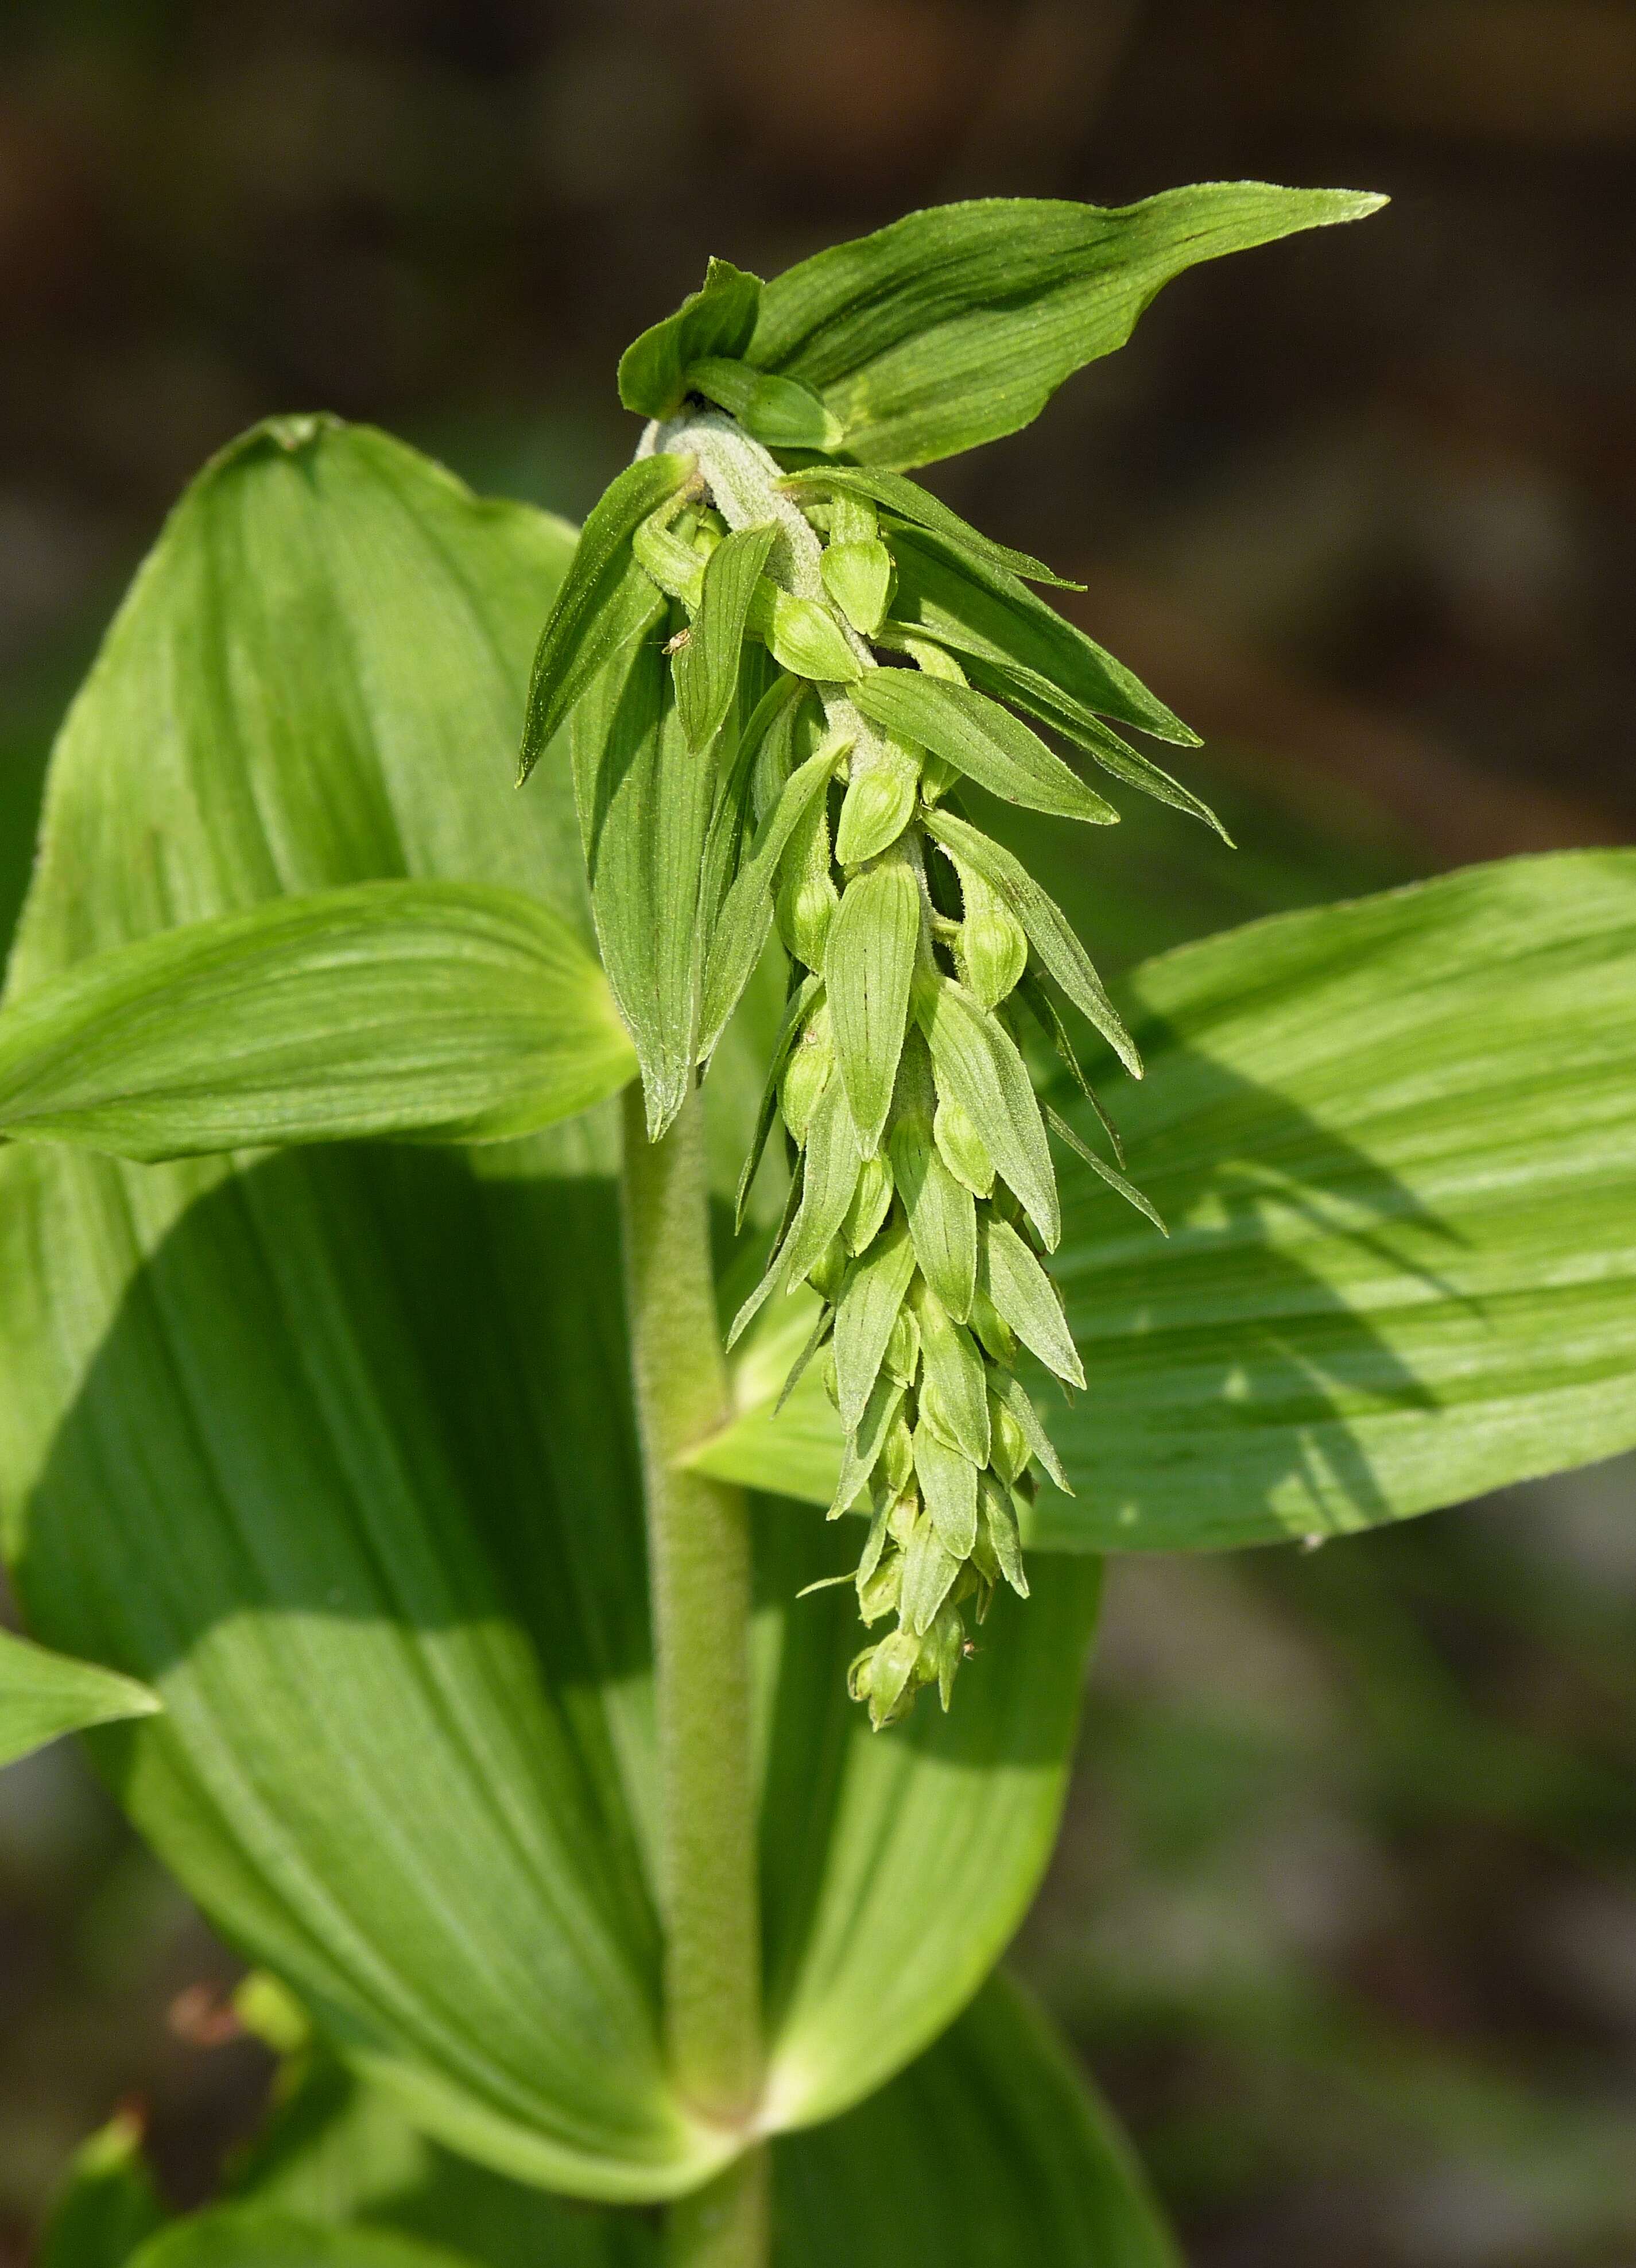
(1345,1914)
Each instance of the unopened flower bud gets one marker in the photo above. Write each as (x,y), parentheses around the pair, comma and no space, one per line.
(806,1073)
(878,1595)
(898,1456)
(993,950)
(1009,1451)
(871,1201)
(961,1146)
(669,559)
(803,635)
(828,1272)
(859,577)
(996,1335)
(903,1348)
(807,896)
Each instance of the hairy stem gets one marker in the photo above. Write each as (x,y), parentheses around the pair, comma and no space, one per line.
(727,2224)
(698,1555)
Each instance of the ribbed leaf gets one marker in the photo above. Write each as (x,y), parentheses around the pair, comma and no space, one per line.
(706,668)
(980,738)
(1396,1144)
(442,1011)
(645,801)
(868,964)
(718,319)
(956,325)
(978,1066)
(908,500)
(983,613)
(990,2148)
(605,600)
(44,1695)
(1049,931)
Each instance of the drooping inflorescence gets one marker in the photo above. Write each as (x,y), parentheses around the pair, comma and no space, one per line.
(783,672)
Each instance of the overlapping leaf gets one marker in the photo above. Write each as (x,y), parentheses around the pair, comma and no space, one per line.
(989,2147)
(956,325)
(444,1011)
(335,1448)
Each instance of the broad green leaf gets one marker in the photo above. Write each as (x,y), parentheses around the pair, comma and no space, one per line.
(1018,644)
(868,964)
(1049,931)
(978,1066)
(242,2236)
(268,1424)
(956,325)
(991,2147)
(908,500)
(780,412)
(645,801)
(108,2205)
(444,1011)
(603,603)
(1395,1142)
(44,1695)
(706,668)
(718,319)
(980,738)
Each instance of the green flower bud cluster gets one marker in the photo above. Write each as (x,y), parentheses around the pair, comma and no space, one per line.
(779,680)
(924,1199)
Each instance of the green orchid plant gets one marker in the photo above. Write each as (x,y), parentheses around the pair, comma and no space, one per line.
(424,1363)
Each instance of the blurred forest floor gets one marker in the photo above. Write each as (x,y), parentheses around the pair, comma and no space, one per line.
(1345,1913)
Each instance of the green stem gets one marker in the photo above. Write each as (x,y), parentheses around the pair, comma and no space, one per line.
(699,1560)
